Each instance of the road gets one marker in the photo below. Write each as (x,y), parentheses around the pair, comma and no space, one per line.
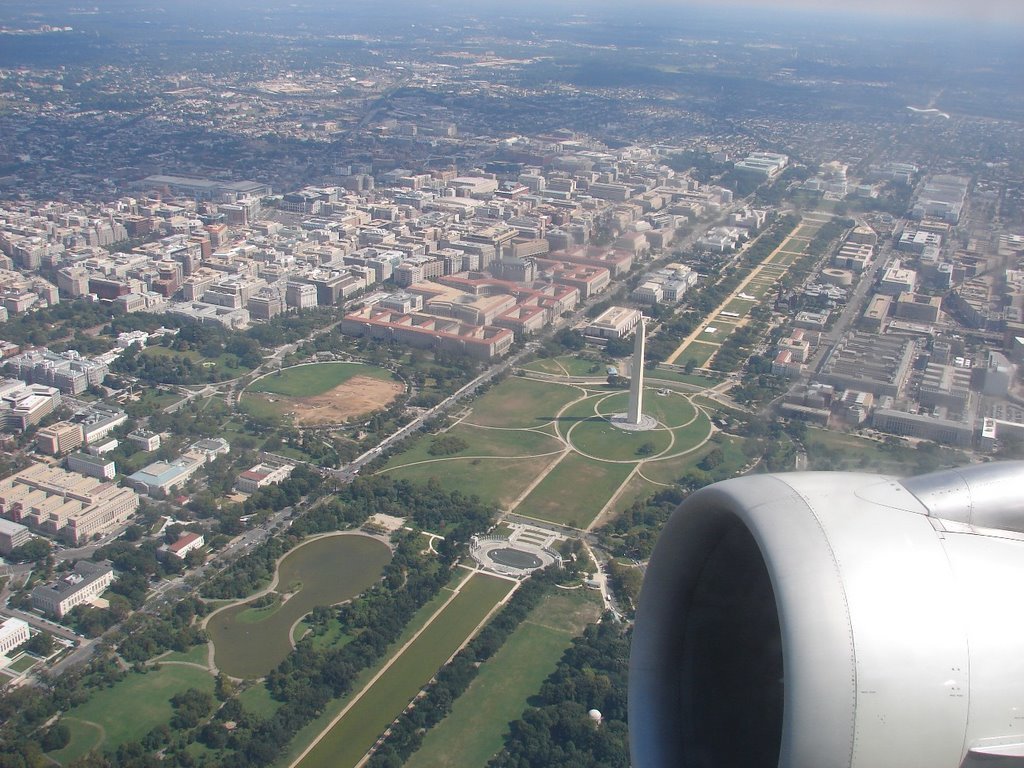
(854,306)
(347,472)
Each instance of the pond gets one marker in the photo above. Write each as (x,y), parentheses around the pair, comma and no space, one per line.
(251,641)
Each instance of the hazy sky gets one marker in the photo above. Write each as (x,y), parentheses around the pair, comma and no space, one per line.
(983,11)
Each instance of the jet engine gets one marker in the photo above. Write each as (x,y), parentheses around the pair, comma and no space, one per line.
(835,620)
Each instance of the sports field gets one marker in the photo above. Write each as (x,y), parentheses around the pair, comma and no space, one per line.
(323,393)
(353,735)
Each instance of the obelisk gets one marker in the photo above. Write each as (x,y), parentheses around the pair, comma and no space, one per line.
(636,373)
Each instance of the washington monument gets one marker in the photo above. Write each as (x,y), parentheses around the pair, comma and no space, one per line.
(636,372)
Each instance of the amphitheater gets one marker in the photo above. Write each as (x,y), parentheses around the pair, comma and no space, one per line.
(524,550)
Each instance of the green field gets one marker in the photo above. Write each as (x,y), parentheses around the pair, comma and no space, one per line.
(697,351)
(518,402)
(23,663)
(197,654)
(251,642)
(567,365)
(722,329)
(670,470)
(314,379)
(575,491)
(601,439)
(670,410)
(474,731)
(224,363)
(129,709)
(831,450)
(694,380)
(483,442)
(256,699)
(382,702)
(496,480)
(637,489)
(739,306)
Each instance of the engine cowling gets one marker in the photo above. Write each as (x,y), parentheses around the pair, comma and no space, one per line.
(821,619)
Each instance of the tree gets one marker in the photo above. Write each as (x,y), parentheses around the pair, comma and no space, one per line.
(56,737)
(190,707)
(224,688)
(41,644)
(34,550)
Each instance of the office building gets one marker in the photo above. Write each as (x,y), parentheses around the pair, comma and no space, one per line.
(65,504)
(12,535)
(84,584)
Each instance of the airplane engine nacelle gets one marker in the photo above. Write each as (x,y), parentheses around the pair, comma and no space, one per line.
(835,620)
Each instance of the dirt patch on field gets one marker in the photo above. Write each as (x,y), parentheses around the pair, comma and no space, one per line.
(357,396)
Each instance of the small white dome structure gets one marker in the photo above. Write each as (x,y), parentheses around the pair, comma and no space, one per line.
(595,715)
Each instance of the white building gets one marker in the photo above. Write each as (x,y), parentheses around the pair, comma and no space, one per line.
(614,323)
(13,632)
(263,474)
(93,466)
(186,543)
(144,440)
(83,585)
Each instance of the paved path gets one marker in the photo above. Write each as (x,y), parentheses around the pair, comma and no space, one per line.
(735,294)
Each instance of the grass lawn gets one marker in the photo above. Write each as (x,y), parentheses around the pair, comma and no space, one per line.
(518,402)
(475,728)
(23,663)
(129,709)
(739,306)
(260,406)
(483,442)
(356,732)
(196,654)
(584,409)
(637,489)
(697,351)
(495,480)
(722,329)
(315,379)
(671,410)
(257,700)
(567,365)
(575,491)
(829,450)
(219,363)
(670,470)
(602,439)
(761,287)
(150,400)
(85,737)
(693,379)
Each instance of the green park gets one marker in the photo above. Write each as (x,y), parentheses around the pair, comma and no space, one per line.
(551,451)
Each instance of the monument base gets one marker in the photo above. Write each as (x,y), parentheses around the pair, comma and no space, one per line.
(621,420)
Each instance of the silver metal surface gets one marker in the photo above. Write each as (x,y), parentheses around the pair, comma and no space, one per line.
(902,641)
